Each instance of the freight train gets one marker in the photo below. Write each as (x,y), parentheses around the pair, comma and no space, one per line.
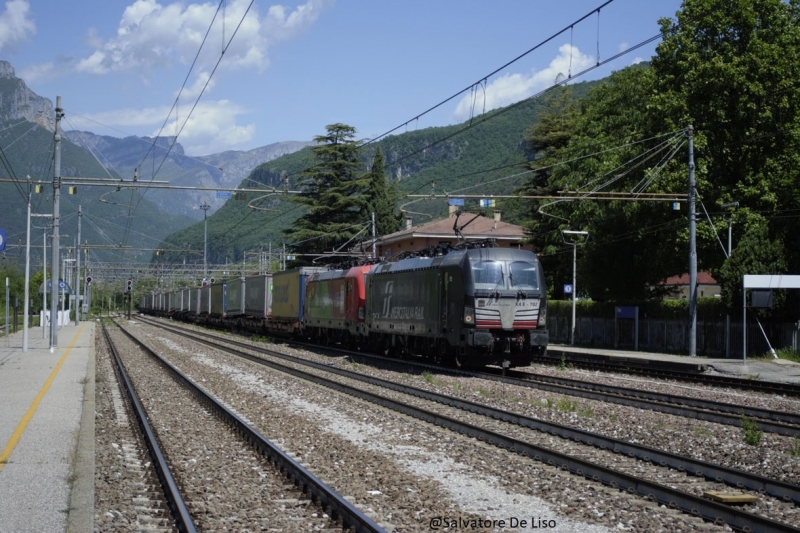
(468,307)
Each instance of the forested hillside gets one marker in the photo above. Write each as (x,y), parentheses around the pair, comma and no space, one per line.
(28,151)
(452,158)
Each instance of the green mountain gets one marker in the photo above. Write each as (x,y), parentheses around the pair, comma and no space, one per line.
(27,150)
(485,156)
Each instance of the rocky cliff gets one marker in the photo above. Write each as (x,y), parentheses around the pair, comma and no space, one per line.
(20,103)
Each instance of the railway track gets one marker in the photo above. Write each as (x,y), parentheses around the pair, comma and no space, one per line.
(773,421)
(627,367)
(675,498)
(289,475)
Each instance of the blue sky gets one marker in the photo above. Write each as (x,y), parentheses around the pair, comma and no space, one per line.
(293,68)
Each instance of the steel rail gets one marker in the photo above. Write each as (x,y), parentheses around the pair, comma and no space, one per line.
(717,412)
(668,404)
(177,506)
(667,495)
(351,516)
(699,403)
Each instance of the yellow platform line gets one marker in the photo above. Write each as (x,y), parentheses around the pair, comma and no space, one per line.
(12,443)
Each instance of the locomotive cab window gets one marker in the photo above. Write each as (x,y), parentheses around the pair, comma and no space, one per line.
(523,275)
(487,274)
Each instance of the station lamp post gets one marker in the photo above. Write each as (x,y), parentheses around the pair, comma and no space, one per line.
(576,238)
(729,220)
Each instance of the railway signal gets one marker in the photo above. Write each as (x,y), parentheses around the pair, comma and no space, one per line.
(88,279)
(129,286)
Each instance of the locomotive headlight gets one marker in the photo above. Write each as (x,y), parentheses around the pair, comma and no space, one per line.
(543,316)
(469,315)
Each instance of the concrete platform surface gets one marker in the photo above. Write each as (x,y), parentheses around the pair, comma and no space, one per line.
(43,397)
(777,370)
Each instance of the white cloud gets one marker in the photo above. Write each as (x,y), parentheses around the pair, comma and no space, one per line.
(637,60)
(512,88)
(212,128)
(152,35)
(15,25)
(36,73)
(202,83)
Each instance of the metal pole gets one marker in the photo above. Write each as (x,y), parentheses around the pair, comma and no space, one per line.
(78,273)
(44,283)
(205,207)
(27,306)
(374,254)
(8,341)
(64,279)
(744,324)
(692,249)
(56,228)
(574,290)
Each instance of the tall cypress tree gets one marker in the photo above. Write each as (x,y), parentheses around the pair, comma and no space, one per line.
(381,198)
(332,194)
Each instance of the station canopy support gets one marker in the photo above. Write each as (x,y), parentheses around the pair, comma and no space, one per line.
(762,281)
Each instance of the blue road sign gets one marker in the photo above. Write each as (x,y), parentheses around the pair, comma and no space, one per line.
(221,194)
(456,201)
(568,288)
(2,239)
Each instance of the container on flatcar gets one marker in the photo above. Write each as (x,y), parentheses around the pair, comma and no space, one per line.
(175,301)
(142,302)
(258,296)
(205,301)
(235,303)
(218,305)
(186,300)
(288,295)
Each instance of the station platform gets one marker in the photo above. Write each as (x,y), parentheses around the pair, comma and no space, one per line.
(47,431)
(775,370)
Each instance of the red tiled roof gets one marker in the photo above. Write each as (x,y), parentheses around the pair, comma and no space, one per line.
(702,278)
(481,227)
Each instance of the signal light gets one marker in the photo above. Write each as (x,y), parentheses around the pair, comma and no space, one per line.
(129,286)
(88,279)
(212,280)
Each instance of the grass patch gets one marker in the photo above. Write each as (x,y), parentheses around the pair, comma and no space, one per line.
(613,418)
(548,402)
(752,433)
(486,393)
(586,412)
(702,432)
(456,386)
(794,447)
(430,378)
(567,406)
(790,354)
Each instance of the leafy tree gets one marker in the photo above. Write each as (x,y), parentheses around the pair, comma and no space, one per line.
(626,253)
(381,198)
(755,253)
(726,67)
(731,68)
(332,194)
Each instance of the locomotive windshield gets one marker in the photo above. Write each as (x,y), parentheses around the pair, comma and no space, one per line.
(494,275)
(523,275)
(487,274)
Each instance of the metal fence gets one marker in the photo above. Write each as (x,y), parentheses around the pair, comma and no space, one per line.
(672,336)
